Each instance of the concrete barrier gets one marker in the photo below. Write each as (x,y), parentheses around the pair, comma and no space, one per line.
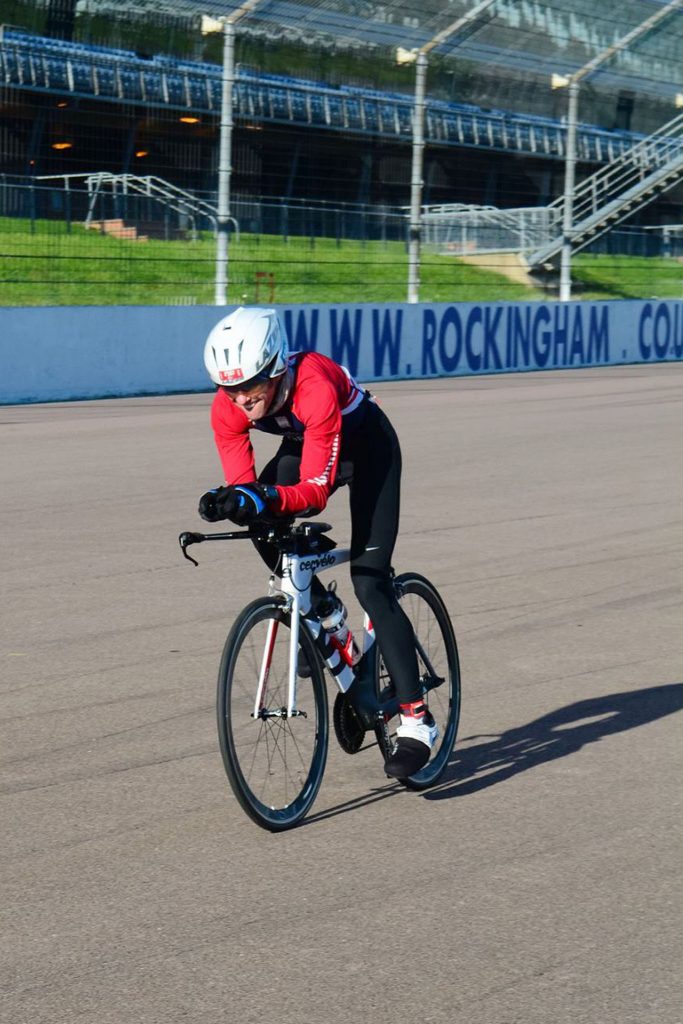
(75,352)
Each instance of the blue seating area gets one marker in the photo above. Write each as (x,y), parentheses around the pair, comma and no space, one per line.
(51,65)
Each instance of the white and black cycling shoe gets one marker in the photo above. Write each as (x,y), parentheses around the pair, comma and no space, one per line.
(416,735)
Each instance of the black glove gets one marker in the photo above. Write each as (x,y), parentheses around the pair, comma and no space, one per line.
(242,503)
(208,509)
(245,502)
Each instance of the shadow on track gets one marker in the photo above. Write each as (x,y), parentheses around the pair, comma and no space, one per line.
(376,794)
(555,735)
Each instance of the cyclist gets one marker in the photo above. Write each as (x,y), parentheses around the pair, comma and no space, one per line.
(333,433)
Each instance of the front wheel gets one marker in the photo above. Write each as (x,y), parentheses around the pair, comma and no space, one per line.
(275,764)
(439,667)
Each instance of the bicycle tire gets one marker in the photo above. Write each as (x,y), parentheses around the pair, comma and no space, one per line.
(276,795)
(433,628)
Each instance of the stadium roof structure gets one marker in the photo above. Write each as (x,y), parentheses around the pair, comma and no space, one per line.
(535,37)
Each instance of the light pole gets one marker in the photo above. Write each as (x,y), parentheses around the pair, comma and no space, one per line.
(225,163)
(421,59)
(415,224)
(568,195)
(572,82)
(227,26)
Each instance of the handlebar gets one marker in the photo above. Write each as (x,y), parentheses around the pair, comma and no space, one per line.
(281,533)
(186,538)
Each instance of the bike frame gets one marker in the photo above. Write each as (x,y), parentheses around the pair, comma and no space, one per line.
(294,584)
(295,581)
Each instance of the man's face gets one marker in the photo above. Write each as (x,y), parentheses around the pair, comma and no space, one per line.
(254,401)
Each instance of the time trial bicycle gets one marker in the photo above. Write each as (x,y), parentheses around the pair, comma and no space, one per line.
(272,705)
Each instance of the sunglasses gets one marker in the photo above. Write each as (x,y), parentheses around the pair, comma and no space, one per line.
(264,376)
(253,384)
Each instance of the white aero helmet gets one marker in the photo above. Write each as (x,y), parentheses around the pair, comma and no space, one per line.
(249,343)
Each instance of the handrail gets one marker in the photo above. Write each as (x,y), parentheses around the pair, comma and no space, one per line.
(178,199)
(618,190)
(600,202)
(629,168)
(155,187)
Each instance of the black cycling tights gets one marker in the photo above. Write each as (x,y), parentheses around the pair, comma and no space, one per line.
(370,463)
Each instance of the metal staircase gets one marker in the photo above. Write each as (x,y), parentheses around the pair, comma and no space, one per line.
(616,191)
(176,199)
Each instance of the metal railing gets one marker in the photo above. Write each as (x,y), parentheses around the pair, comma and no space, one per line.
(459,229)
(181,201)
(159,208)
(615,192)
(601,202)
(453,229)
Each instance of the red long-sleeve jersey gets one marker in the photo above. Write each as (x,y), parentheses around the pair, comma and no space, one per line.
(323,405)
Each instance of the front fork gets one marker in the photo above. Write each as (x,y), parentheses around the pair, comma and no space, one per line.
(295,625)
(260,702)
(343,673)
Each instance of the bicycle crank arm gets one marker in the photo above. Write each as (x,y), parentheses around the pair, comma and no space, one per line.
(430,682)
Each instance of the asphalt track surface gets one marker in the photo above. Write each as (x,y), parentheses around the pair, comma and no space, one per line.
(539,883)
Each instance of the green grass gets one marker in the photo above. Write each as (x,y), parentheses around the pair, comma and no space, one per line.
(53,267)
(627,277)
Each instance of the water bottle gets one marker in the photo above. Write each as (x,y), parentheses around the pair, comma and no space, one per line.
(332,615)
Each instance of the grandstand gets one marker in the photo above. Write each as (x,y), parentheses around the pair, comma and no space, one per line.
(507,62)
(93,75)
(84,72)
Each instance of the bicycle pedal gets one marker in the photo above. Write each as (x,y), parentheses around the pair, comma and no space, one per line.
(348,727)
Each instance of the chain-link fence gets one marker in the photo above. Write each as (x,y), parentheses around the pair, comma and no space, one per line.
(110,137)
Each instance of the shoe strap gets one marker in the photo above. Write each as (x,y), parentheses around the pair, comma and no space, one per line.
(417,709)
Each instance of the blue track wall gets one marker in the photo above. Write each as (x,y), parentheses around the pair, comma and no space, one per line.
(60,353)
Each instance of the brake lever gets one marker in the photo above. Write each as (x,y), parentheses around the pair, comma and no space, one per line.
(185,539)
